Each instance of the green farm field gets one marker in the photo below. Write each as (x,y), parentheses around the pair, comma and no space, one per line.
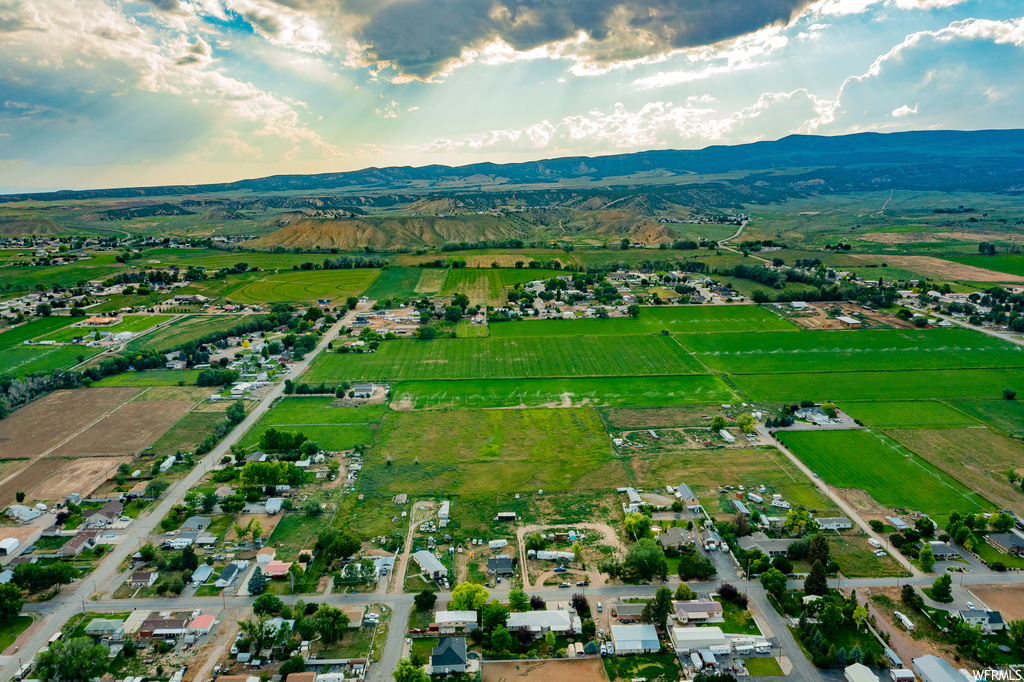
(318,410)
(25,360)
(1010,264)
(184,330)
(908,415)
(652,320)
(152,377)
(214,259)
(328,437)
(396,283)
(866,461)
(822,351)
(481,453)
(1004,415)
(508,358)
(130,323)
(632,391)
(895,385)
(307,286)
(35,329)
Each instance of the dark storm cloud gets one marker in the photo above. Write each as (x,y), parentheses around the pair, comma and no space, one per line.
(420,36)
(166,5)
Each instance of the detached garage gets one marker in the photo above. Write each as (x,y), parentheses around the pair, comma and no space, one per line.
(8,545)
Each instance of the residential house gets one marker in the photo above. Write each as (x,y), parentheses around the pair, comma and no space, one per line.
(194,524)
(986,620)
(628,612)
(698,611)
(430,564)
(450,621)
(500,565)
(163,627)
(202,574)
(201,625)
(685,495)
(105,628)
(83,540)
(539,623)
(265,555)
(105,515)
(635,639)
(20,512)
(943,551)
(677,537)
(449,656)
(1007,543)
(230,573)
(143,578)
(834,523)
(770,547)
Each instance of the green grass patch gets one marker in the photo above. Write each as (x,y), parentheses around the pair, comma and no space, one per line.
(920,414)
(152,377)
(130,323)
(354,643)
(294,533)
(991,555)
(856,558)
(332,437)
(1010,264)
(865,461)
(1004,415)
(494,358)
(184,330)
(24,360)
(466,330)
(188,433)
(663,667)
(319,410)
(307,286)
(36,329)
(10,628)
(869,349)
(738,621)
(763,667)
(394,283)
(632,391)
(893,385)
(209,590)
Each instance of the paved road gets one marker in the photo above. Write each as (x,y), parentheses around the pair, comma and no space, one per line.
(102,578)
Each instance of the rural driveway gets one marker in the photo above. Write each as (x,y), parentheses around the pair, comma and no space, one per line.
(839,502)
(105,574)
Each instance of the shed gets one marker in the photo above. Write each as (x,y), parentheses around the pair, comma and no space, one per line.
(635,639)
(430,565)
(202,574)
(8,545)
(686,640)
(858,672)
(274,504)
(935,669)
(201,625)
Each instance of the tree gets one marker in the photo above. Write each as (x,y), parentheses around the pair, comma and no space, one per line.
(774,582)
(425,600)
(267,604)
(782,564)
(580,604)
(829,409)
(156,488)
(19,496)
(624,244)
(550,638)
(537,603)
(518,600)
(1002,523)
(453,314)
(1009,394)
(637,524)
(911,598)
(405,671)
(860,614)
(72,660)
(232,504)
(696,566)
(1016,630)
(589,629)
(189,560)
(209,502)
(10,601)
(44,309)
(147,552)
(684,593)
(799,521)
(718,423)
(295,664)
(501,639)
(633,310)
(831,618)
(816,581)
(927,558)
(942,588)
(468,597)
(351,302)
(426,332)
(660,607)
(646,559)
(330,622)
(746,423)
(493,615)
(258,582)
(818,550)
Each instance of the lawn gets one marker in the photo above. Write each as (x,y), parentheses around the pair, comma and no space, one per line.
(130,323)
(10,628)
(478,454)
(763,667)
(652,667)
(1004,415)
(508,358)
(892,385)
(738,621)
(870,349)
(184,330)
(652,320)
(152,377)
(467,330)
(423,646)
(328,437)
(856,558)
(977,457)
(24,360)
(295,532)
(866,461)
(991,555)
(35,329)
(636,391)
(355,643)
(908,414)
(307,286)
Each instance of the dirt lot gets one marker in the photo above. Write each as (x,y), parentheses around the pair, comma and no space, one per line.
(217,646)
(10,467)
(24,533)
(587,670)
(1008,600)
(268,522)
(29,478)
(49,421)
(939,269)
(82,476)
(130,429)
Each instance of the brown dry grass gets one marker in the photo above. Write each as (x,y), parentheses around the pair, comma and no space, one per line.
(29,478)
(130,429)
(49,421)
(586,670)
(939,269)
(978,457)
(82,476)
(658,417)
(268,522)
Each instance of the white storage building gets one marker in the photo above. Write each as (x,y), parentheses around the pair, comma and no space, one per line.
(686,640)
(635,639)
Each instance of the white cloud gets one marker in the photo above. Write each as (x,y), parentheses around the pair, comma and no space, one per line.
(900,112)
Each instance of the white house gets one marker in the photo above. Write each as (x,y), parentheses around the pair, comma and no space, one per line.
(430,565)
(20,512)
(834,523)
(168,463)
(541,622)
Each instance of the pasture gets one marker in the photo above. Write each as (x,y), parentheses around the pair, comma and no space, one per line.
(477,454)
(185,329)
(1010,264)
(24,360)
(823,351)
(36,329)
(320,410)
(218,258)
(1005,415)
(908,415)
(894,385)
(130,323)
(482,286)
(507,358)
(152,377)
(652,320)
(396,283)
(866,461)
(307,286)
(639,391)
(978,457)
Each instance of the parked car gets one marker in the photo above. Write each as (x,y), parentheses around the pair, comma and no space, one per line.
(564,585)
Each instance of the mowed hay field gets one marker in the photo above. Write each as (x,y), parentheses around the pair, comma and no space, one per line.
(307,286)
(823,351)
(652,320)
(893,385)
(978,457)
(669,390)
(1005,415)
(24,360)
(482,453)
(864,461)
(49,421)
(394,283)
(487,286)
(908,414)
(331,427)
(508,358)
(128,430)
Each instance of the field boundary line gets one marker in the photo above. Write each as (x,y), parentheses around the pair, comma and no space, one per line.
(91,424)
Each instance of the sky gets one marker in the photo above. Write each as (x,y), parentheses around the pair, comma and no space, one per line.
(99,93)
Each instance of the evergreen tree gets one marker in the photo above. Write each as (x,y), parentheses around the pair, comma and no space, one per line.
(816,581)
(258,582)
